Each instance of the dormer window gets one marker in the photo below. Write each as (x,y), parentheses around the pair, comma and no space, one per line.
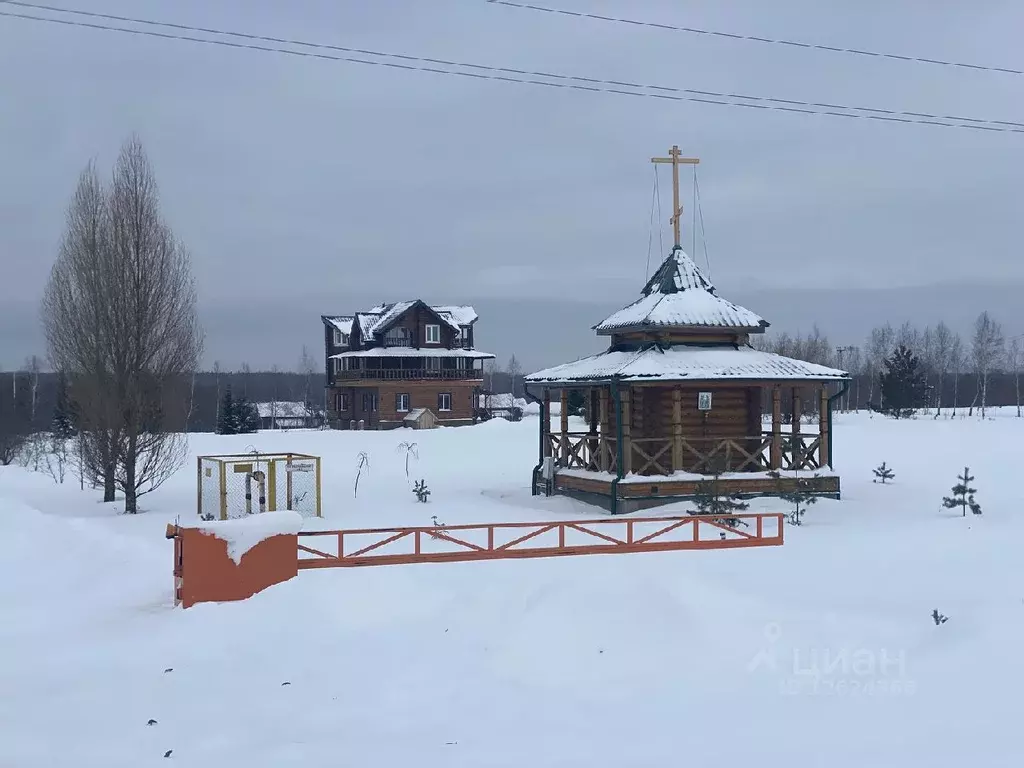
(432,334)
(340,339)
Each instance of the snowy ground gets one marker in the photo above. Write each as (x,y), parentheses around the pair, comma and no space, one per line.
(820,652)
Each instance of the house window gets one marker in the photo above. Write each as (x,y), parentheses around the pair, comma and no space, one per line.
(433,334)
(369,402)
(460,363)
(336,365)
(342,401)
(444,401)
(464,332)
(402,402)
(340,339)
(433,363)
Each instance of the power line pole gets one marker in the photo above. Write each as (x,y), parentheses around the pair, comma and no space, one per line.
(840,351)
(676,159)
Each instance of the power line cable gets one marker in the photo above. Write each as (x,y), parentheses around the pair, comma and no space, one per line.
(756,38)
(507,74)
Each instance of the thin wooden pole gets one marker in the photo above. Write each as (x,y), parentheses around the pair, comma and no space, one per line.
(798,448)
(546,425)
(563,442)
(677,429)
(604,452)
(776,455)
(627,447)
(823,457)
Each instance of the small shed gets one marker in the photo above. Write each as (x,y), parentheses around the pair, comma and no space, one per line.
(420,418)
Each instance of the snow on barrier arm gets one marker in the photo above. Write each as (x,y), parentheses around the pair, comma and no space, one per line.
(233,559)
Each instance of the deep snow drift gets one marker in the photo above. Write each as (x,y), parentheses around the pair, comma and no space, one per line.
(820,652)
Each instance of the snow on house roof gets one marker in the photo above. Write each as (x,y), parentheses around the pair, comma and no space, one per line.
(390,314)
(679,294)
(282,409)
(687,361)
(459,314)
(414,352)
(379,317)
(342,322)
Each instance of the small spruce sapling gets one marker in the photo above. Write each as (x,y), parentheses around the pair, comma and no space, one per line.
(803,494)
(421,491)
(364,463)
(711,499)
(883,473)
(963,495)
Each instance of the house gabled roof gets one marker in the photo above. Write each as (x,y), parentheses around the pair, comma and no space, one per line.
(679,295)
(686,362)
(380,317)
(458,314)
(342,323)
(393,313)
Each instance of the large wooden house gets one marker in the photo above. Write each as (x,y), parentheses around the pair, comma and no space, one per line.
(678,396)
(389,361)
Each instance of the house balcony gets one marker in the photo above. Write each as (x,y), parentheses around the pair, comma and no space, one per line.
(408,374)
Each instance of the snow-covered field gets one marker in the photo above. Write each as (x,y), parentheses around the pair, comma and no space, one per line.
(820,652)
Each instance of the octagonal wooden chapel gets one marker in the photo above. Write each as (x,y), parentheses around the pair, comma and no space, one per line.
(680,395)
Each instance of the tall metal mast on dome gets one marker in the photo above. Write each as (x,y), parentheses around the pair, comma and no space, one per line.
(675,158)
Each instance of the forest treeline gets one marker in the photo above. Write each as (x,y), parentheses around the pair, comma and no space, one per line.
(978,371)
(962,373)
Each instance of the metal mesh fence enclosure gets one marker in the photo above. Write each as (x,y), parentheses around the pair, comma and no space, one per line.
(233,486)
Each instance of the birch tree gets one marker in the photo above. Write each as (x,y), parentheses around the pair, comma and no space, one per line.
(1013,363)
(880,345)
(941,351)
(987,348)
(957,362)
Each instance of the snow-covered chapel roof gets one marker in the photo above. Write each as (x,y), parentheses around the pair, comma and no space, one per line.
(680,295)
(686,362)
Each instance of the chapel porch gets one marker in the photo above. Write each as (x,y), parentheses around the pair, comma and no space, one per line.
(652,441)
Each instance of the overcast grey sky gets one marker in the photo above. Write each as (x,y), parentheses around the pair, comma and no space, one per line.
(305,187)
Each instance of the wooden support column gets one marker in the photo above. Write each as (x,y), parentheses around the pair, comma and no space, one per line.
(776,450)
(563,440)
(823,458)
(546,426)
(677,429)
(593,442)
(796,412)
(797,448)
(627,446)
(605,449)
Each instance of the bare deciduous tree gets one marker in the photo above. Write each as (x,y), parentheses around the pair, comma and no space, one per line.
(957,362)
(941,350)
(987,348)
(79,327)
(880,344)
(134,281)
(1013,363)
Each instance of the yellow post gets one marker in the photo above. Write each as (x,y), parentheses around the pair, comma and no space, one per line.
(222,472)
(272,485)
(288,482)
(317,460)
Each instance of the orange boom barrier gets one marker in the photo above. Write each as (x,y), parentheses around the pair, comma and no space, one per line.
(204,572)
